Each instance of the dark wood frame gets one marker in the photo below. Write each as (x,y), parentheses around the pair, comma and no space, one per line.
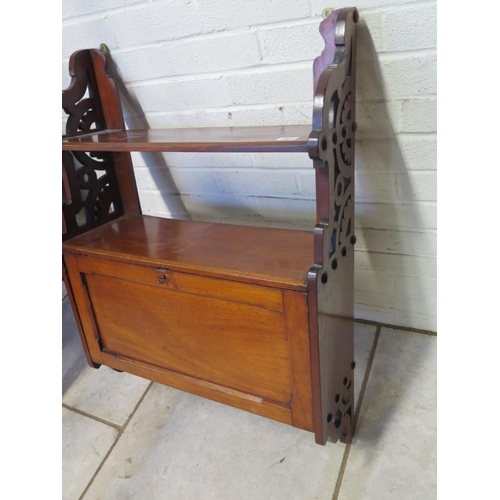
(315,309)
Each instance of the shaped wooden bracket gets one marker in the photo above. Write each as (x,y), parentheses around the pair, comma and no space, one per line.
(331,280)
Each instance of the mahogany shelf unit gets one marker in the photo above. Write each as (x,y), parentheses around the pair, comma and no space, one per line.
(257,318)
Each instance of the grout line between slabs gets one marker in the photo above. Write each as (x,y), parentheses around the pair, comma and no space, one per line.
(396,327)
(121,430)
(343,465)
(93,417)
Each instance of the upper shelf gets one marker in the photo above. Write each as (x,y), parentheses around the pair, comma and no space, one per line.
(291,138)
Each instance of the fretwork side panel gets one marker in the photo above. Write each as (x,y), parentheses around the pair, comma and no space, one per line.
(81,100)
(90,191)
(331,147)
(97,186)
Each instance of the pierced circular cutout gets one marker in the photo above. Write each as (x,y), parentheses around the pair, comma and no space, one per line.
(324,144)
(353,240)
(344,132)
(353,365)
(337,398)
(354,126)
(344,251)
(329,418)
(324,278)
(334,138)
(338,419)
(345,381)
(335,264)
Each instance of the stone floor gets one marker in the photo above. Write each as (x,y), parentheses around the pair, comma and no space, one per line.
(126,438)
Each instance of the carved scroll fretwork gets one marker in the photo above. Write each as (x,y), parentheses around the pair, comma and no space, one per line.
(331,147)
(81,100)
(90,191)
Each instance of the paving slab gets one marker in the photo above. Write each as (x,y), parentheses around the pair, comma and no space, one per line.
(393,455)
(102,392)
(180,446)
(84,445)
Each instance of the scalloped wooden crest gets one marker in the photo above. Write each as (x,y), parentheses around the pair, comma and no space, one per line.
(329,31)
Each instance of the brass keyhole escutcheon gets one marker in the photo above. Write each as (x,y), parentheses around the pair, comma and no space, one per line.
(162,279)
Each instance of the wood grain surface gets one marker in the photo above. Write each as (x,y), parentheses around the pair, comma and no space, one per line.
(278,258)
(290,138)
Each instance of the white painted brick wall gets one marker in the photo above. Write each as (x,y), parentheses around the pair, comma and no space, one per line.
(191,63)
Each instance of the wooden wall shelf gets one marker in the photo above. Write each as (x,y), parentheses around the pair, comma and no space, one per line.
(291,138)
(257,318)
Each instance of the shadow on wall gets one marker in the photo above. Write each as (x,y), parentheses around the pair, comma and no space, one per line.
(380,219)
(375,126)
(223,207)
(136,119)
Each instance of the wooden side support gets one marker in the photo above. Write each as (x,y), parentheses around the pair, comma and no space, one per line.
(97,186)
(331,279)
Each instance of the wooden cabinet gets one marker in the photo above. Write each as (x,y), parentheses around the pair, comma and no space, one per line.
(257,318)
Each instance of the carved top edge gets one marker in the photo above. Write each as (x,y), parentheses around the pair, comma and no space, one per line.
(332,30)
(81,100)
(75,61)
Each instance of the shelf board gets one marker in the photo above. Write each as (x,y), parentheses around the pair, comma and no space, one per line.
(279,258)
(286,139)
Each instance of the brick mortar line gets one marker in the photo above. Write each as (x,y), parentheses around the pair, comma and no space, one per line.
(251,29)
(75,19)
(257,69)
(345,458)
(263,106)
(391,203)
(120,433)
(394,7)
(99,14)
(400,200)
(263,68)
(230,107)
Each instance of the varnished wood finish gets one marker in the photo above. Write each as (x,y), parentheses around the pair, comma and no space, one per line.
(225,342)
(85,315)
(261,296)
(296,317)
(331,280)
(112,110)
(257,318)
(272,257)
(222,394)
(108,92)
(291,138)
(74,308)
(251,347)
(126,184)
